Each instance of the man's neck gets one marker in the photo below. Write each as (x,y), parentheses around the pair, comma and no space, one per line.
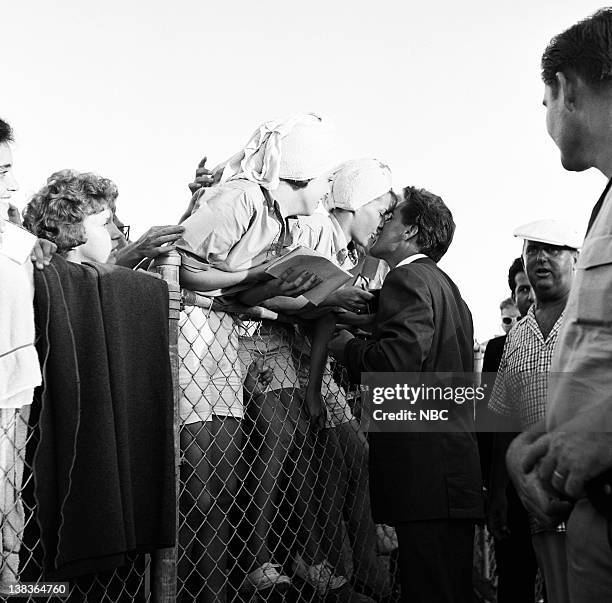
(599,142)
(400,257)
(547,313)
(604,163)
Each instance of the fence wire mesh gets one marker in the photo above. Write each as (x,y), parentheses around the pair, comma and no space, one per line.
(22,556)
(270,507)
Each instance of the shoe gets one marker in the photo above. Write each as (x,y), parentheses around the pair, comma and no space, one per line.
(266,577)
(320,576)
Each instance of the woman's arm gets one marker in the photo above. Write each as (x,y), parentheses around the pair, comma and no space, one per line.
(323,330)
(211,278)
(289,285)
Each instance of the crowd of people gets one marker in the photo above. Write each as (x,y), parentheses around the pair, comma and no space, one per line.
(276,457)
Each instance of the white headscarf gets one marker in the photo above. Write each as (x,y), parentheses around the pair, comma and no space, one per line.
(357,182)
(300,147)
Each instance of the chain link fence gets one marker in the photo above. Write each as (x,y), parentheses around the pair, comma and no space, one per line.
(22,556)
(270,507)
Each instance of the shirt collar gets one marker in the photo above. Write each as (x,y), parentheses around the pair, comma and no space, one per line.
(340,243)
(531,321)
(410,259)
(284,238)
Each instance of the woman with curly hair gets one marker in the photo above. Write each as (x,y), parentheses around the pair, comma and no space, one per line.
(75,211)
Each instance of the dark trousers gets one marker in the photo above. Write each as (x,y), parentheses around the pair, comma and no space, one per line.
(516,563)
(435,560)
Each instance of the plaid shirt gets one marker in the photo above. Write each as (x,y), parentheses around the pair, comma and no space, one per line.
(522,380)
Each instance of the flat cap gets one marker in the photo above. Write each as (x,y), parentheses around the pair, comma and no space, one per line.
(553,232)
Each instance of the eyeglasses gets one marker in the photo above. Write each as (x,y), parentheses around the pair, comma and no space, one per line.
(125,231)
(508,320)
(550,250)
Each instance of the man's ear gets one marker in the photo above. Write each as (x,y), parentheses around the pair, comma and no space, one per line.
(567,85)
(410,232)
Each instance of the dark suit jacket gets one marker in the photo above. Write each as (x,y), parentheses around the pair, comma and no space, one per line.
(422,325)
(493,354)
(484,417)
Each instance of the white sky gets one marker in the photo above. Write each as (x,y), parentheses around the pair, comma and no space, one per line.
(447,93)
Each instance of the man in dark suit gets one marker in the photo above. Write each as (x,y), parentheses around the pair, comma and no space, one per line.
(427,485)
(517,567)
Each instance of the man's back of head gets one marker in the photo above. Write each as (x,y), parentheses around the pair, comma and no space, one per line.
(577,73)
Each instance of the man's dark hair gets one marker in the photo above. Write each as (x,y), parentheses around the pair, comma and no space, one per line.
(517,266)
(584,49)
(6,132)
(433,219)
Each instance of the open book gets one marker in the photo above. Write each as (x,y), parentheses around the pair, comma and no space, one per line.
(302,258)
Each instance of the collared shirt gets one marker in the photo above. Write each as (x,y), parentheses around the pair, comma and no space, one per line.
(522,380)
(410,259)
(235,227)
(322,232)
(583,356)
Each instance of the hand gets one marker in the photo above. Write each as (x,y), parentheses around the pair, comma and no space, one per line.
(314,407)
(293,283)
(362,321)
(497,515)
(258,273)
(574,457)
(157,240)
(521,459)
(353,299)
(42,253)
(338,343)
(259,376)
(204,177)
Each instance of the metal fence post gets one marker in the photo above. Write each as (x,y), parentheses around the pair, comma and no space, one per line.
(164,579)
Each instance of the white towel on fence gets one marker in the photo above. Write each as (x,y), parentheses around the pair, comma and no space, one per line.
(19,366)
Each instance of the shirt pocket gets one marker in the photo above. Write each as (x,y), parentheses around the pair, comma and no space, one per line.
(594,282)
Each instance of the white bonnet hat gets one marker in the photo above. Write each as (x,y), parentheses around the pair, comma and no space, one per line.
(301,147)
(357,182)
